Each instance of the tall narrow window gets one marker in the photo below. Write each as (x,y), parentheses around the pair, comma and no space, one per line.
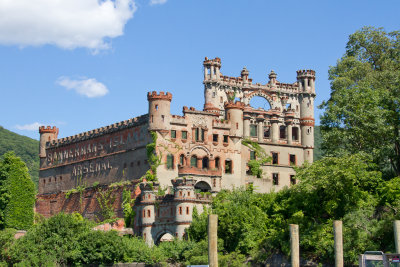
(226,139)
(180,210)
(196,134)
(292,159)
(252,155)
(205,163)
(187,210)
(162,117)
(217,163)
(253,130)
(193,161)
(275,159)
(156,107)
(170,161)
(292,180)
(228,166)
(202,134)
(275,179)
(295,133)
(267,131)
(282,132)
(215,137)
(182,159)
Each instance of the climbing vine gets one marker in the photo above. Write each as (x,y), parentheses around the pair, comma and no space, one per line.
(261,157)
(153,159)
(127,203)
(105,198)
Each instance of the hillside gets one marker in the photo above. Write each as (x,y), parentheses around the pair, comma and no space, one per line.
(24,147)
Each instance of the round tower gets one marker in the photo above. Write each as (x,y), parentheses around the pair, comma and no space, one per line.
(212,74)
(159,110)
(306,79)
(183,200)
(147,211)
(245,75)
(234,113)
(47,134)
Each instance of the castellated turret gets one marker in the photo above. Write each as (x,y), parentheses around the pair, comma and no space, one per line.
(234,115)
(159,110)
(146,211)
(212,74)
(306,79)
(47,134)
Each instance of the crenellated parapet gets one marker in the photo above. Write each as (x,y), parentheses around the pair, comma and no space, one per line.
(159,96)
(48,129)
(236,105)
(306,74)
(115,127)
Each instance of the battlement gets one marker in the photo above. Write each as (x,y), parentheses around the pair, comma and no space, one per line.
(224,124)
(306,74)
(236,105)
(215,61)
(159,96)
(99,131)
(183,181)
(48,129)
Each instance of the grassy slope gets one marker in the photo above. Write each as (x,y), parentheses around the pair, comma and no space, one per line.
(24,147)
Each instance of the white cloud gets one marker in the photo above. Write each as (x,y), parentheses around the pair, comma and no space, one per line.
(157,2)
(87,87)
(65,23)
(29,127)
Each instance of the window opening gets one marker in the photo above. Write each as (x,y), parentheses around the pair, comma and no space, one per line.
(205,163)
(292,159)
(173,134)
(182,159)
(252,155)
(275,158)
(184,134)
(215,137)
(253,130)
(228,166)
(282,132)
(292,180)
(170,161)
(267,131)
(295,133)
(156,107)
(225,139)
(275,178)
(193,161)
(217,163)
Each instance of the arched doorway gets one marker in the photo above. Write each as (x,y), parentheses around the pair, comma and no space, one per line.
(203,187)
(166,237)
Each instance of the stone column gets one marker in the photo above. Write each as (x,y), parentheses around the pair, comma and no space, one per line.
(275,132)
(337,232)
(260,129)
(289,133)
(211,162)
(188,161)
(396,228)
(212,72)
(212,240)
(294,245)
(246,127)
(205,73)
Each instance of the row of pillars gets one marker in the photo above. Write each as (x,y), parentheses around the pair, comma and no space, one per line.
(294,241)
(274,131)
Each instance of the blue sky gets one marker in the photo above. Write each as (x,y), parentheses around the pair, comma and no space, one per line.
(89,63)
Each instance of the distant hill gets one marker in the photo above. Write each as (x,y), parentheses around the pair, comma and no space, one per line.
(317,143)
(24,147)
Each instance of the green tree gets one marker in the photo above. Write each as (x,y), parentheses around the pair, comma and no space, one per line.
(17,193)
(363,112)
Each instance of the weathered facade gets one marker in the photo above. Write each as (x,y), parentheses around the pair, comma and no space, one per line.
(203,144)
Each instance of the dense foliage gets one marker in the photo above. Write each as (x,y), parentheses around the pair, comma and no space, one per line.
(24,147)
(363,112)
(334,188)
(17,193)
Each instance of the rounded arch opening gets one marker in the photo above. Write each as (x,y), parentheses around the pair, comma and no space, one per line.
(257,102)
(202,186)
(165,237)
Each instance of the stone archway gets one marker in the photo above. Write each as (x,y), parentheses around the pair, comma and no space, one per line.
(203,186)
(164,236)
(266,95)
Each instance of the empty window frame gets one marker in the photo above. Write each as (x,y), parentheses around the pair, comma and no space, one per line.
(295,133)
(292,180)
(252,155)
(193,161)
(267,132)
(275,158)
(215,137)
(182,160)
(226,139)
(228,166)
(292,159)
(275,178)
(282,132)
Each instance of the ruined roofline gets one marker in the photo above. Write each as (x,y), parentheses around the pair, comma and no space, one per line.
(48,129)
(157,96)
(99,131)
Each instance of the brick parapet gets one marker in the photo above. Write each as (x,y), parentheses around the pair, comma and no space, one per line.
(236,105)
(159,96)
(99,131)
(48,129)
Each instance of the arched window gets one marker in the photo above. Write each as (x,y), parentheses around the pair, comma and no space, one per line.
(205,163)
(193,161)
(182,159)
(217,162)
(228,166)
(170,161)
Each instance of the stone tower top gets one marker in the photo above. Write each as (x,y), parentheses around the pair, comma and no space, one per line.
(301,74)
(161,96)
(48,129)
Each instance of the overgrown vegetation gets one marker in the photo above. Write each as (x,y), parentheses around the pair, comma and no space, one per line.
(17,193)
(24,147)
(260,158)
